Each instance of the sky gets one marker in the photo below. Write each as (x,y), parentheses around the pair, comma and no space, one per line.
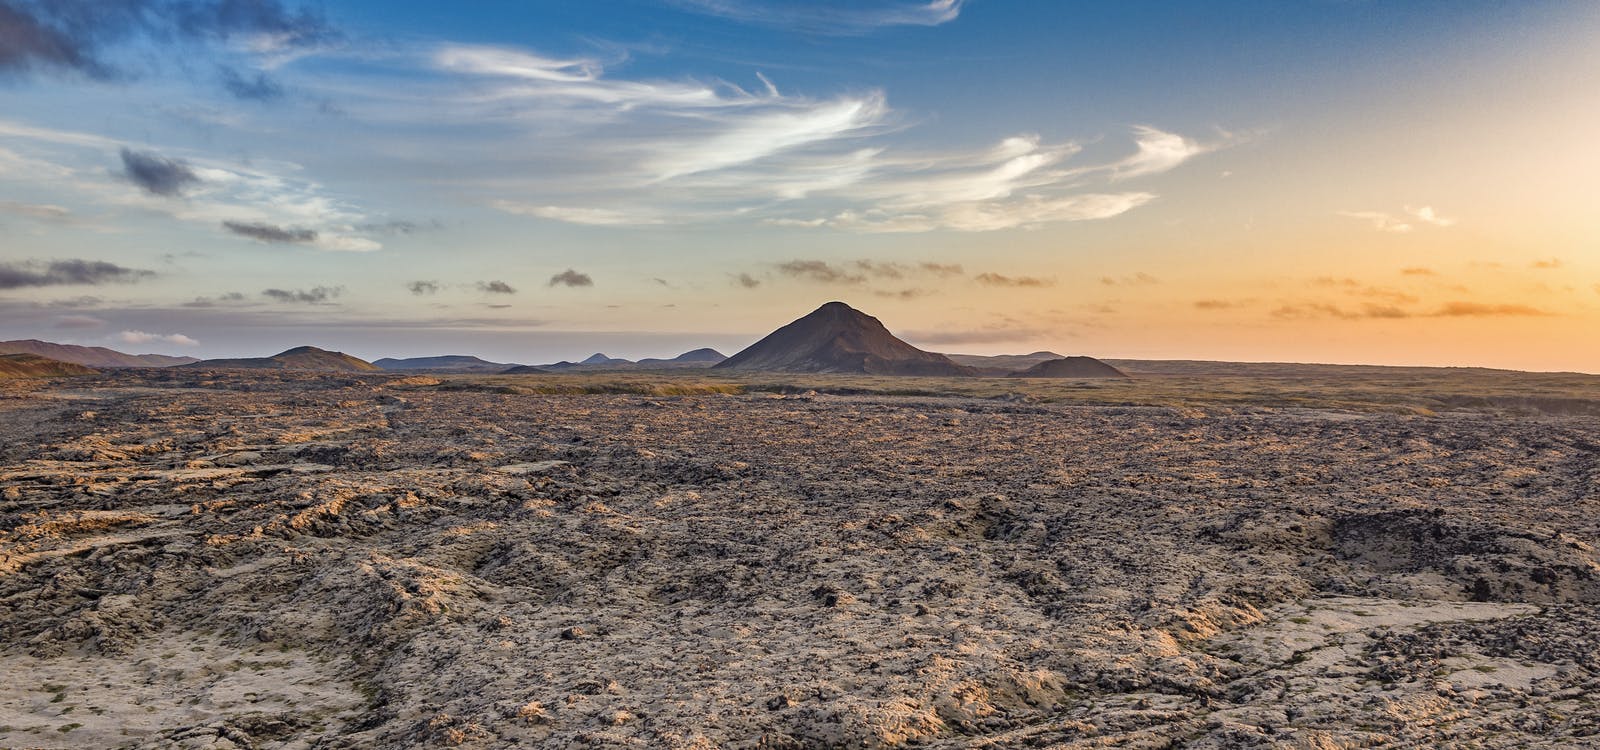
(1350,181)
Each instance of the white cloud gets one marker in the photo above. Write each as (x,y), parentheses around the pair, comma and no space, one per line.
(579,215)
(989,216)
(1385,222)
(1158,151)
(758,136)
(1426,215)
(830,16)
(141,337)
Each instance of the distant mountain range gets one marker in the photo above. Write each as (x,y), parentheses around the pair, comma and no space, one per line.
(448,362)
(834,338)
(298,358)
(839,338)
(90,356)
(23,365)
(686,360)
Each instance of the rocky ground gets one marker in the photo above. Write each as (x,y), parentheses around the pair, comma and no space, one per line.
(280,560)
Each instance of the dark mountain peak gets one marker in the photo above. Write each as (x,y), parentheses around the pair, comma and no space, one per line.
(600,359)
(839,338)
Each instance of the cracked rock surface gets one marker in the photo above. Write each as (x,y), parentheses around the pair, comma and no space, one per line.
(286,560)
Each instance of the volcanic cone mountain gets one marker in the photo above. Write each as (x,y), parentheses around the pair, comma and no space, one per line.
(839,338)
(298,358)
(1071,367)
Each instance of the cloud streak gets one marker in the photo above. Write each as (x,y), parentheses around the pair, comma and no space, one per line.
(320,295)
(829,17)
(25,274)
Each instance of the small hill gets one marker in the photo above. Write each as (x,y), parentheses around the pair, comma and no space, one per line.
(1071,367)
(523,370)
(690,359)
(35,366)
(601,359)
(298,358)
(1002,363)
(90,356)
(839,338)
(453,362)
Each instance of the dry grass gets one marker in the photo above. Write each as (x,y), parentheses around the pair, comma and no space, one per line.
(1409,391)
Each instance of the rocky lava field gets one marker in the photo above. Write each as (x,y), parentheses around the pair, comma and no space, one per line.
(292,560)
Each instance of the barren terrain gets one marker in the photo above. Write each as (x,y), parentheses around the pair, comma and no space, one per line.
(288,560)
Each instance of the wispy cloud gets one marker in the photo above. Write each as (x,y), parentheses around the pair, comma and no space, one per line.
(142,337)
(829,16)
(73,272)
(995,279)
(1547,264)
(1137,279)
(1395,312)
(1418,271)
(1406,222)
(79,322)
(747,281)
(683,151)
(1158,151)
(495,287)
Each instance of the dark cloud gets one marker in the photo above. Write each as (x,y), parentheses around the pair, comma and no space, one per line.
(420,288)
(995,279)
(821,272)
(67,273)
(229,297)
(313,296)
(570,277)
(259,87)
(496,287)
(746,280)
(270,233)
(75,35)
(157,174)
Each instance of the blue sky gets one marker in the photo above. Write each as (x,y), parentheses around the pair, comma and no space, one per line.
(528,181)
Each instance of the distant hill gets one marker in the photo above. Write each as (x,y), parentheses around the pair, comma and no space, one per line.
(453,362)
(601,359)
(298,358)
(90,356)
(1003,363)
(695,358)
(839,338)
(34,366)
(523,370)
(1071,367)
